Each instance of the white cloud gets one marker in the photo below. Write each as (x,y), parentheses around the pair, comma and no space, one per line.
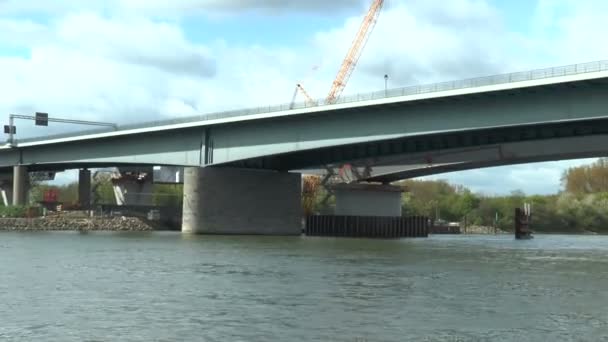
(568,31)
(124,65)
(21,32)
(9,7)
(166,8)
(197,6)
(138,41)
(420,42)
(89,67)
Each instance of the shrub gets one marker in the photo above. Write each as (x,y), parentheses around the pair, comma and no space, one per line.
(19,211)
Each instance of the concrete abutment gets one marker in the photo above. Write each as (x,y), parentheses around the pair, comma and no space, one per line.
(241,202)
(373,200)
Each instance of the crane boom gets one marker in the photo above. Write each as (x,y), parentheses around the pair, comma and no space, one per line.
(349,63)
(309,100)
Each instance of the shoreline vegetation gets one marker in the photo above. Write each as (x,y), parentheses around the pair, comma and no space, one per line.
(580,207)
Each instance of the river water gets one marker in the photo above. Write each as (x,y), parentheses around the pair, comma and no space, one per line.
(169,287)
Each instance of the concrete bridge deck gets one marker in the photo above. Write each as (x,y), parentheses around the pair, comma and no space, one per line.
(280,139)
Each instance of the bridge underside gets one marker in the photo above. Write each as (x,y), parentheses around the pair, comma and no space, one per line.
(397,168)
(444,152)
(415,156)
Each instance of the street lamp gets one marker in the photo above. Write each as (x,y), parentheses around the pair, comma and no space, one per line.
(385,85)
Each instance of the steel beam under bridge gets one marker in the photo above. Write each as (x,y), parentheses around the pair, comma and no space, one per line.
(493,155)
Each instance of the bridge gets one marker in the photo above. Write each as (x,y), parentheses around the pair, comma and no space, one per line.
(245,165)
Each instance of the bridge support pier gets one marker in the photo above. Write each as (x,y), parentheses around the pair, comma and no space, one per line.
(367,200)
(230,201)
(84,189)
(20,185)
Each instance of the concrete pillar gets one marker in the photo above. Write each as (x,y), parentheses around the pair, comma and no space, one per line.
(241,202)
(368,200)
(6,189)
(20,185)
(6,194)
(191,219)
(84,189)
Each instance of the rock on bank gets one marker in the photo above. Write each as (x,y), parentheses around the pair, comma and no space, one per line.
(125,224)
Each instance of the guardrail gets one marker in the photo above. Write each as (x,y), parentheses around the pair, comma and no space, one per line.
(574,69)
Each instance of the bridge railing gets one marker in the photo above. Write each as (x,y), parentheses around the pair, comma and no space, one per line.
(560,71)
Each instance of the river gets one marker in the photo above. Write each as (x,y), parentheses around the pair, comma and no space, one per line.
(169,287)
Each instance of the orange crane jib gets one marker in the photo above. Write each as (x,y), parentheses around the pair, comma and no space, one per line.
(309,99)
(350,62)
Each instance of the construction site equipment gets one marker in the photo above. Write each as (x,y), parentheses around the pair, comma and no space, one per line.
(300,89)
(352,57)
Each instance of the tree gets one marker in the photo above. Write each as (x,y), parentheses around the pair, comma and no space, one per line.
(311,190)
(465,203)
(587,179)
(169,195)
(103,189)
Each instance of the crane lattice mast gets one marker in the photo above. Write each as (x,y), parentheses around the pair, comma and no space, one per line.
(350,62)
(300,89)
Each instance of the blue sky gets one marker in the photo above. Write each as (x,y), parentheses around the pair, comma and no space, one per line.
(133,60)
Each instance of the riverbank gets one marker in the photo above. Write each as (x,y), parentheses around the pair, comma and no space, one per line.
(123,224)
(482,230)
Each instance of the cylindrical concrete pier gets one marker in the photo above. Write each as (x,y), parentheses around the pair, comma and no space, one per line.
(20,185)
(231,201)
(191,212)
(6,193)
(84,188)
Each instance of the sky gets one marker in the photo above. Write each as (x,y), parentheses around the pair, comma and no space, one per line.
(138,60)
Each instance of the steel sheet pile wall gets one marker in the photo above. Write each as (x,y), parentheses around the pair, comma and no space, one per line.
(367,226)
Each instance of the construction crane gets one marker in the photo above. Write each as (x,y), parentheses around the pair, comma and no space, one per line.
(350,62)
(300,89)
(352,57)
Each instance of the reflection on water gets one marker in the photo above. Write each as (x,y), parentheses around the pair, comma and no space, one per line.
(168,287)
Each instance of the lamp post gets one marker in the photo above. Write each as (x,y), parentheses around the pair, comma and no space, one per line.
(385,85)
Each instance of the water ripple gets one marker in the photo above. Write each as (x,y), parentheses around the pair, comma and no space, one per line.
(161,287)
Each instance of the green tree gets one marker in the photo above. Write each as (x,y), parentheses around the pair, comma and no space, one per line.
(103,189)
(170,195)
(587,179)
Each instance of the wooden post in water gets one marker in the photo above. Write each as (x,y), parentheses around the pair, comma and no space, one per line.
(522,223)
